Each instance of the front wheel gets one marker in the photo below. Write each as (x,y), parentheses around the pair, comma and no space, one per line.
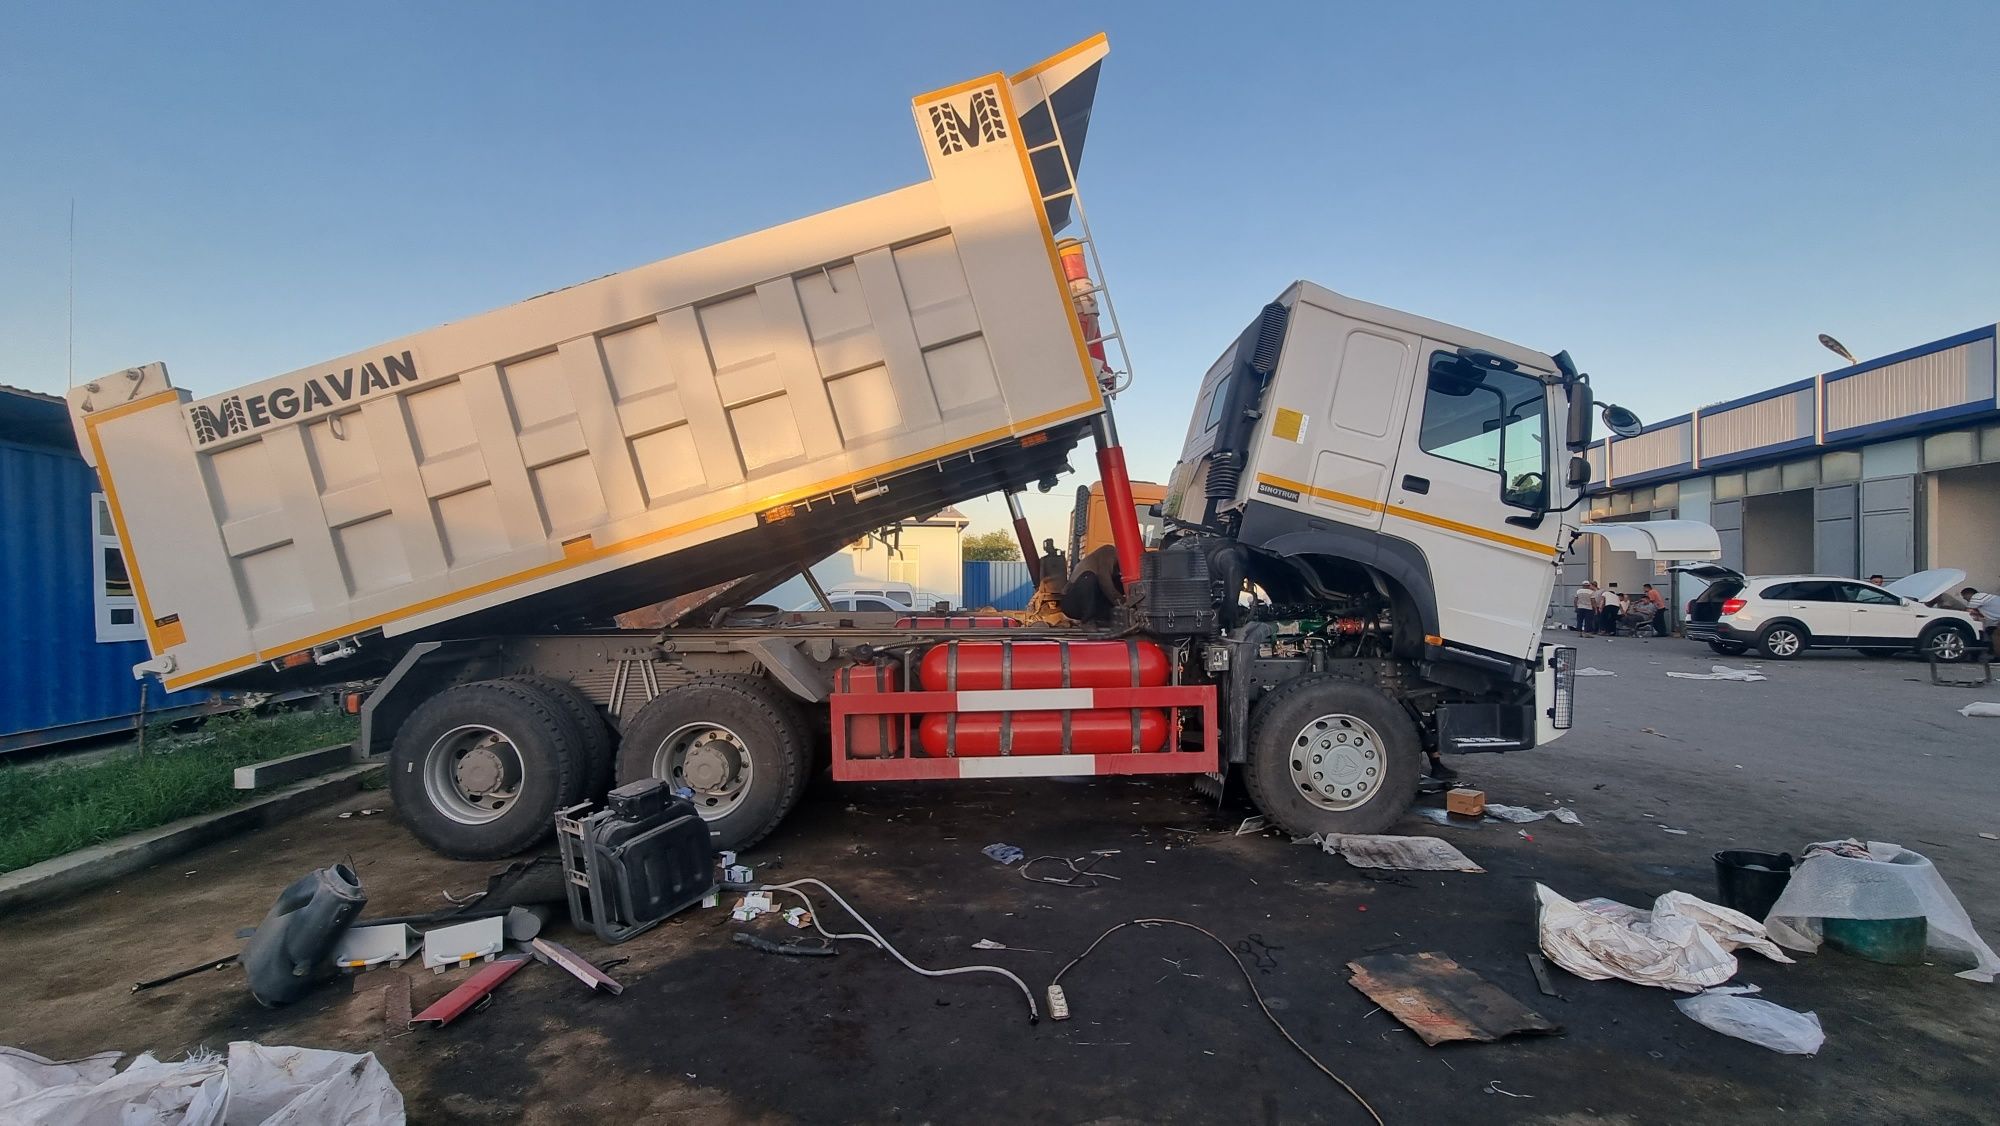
(1332,756)
(1728,648)
(1782,642)
(734,741)
(1945,643)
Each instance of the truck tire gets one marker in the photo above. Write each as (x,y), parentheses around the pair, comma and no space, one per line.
(479,770)
(596,753)
(1332,756)
(736,741)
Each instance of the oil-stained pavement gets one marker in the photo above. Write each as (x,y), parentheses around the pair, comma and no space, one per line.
(1164,1030)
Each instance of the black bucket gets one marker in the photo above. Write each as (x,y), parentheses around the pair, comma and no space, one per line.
(1751,882)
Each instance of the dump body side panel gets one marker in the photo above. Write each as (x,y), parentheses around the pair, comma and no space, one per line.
(603,428)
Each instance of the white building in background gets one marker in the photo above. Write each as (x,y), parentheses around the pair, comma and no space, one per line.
(1887,467)
(926,554)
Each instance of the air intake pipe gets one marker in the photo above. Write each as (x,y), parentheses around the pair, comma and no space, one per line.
(1254,365)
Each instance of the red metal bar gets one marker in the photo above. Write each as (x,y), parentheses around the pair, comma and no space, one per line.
(1025,537)
(453,1005)
(1118,498)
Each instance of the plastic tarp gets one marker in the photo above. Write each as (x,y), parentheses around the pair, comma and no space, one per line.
(254,1085)
(1683,943)
(1891,882)
(1721,672)
(1760,1022)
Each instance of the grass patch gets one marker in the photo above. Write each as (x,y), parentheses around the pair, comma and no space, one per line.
(46,812)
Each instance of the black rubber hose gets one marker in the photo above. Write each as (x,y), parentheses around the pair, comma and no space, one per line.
(745,938)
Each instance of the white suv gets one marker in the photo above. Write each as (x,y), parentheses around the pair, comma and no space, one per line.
(1784,615)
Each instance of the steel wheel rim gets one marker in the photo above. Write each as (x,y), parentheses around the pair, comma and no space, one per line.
(1784,642)
(1337,762)
(473,774)
(1948,645)
(709,759)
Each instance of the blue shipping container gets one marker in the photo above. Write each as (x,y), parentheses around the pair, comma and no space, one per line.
(1004,584)
(61,682)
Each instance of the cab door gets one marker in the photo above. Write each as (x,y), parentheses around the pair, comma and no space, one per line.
(1473,458)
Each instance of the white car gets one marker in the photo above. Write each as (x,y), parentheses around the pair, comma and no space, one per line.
(846,602)
(1784,615)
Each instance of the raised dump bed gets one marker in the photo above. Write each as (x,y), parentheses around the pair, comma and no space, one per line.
(647,434)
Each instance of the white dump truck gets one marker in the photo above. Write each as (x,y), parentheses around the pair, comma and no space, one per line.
(1361,534)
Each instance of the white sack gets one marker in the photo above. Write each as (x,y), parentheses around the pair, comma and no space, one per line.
(1760,1022)
(255,1086)
(1721,672)
(1683,943)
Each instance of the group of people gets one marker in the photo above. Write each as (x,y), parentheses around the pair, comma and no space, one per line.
(1600,610)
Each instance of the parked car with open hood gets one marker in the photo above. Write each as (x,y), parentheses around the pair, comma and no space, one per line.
(1782,616)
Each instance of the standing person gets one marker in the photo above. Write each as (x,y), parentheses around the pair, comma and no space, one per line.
(1874,580)
(1585,601)
(1985,607)
(1053,562)
(1658,602)
(1614,605)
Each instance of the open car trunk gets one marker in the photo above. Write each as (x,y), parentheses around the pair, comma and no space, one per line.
(1723,584)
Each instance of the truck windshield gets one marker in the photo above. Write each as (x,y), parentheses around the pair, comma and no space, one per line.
(1489,419)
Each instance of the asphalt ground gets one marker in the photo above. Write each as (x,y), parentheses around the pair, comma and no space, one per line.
(1832,745)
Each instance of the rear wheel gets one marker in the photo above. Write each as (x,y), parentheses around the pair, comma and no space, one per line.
(1728,648)
(479,770)
(1945,643)
(594,747)
(1781,641)
(1332,756)
(734,741)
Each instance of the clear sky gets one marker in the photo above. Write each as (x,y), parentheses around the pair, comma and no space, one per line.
(1681,195)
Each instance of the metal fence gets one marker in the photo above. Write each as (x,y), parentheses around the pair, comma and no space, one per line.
(1004,584)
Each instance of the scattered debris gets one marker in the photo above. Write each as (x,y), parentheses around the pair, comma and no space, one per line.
(456,945)
(1440,1000)
(1991,836)
(381,944)
(798,917)
(1652,731)
(1003,853)
(711,899)
(1521,814)
(1760,1022)
(631,865)
(1465,801)
(214,964)
(1493,1087)
(738,874)
(1980,710)
(578,966)
(752,904)
(1413,854)
(1539,966)
(1683,943)
(1082,872)
(989,944)
(1886,881)
(292,948)
(1431,814)
(471,992)
(1675,832)
(255,1084)
(794,948)
(369,812)
(1721,672)
(1255,824)
(1595,672)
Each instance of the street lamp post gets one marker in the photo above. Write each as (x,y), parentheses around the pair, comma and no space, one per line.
(1838,349)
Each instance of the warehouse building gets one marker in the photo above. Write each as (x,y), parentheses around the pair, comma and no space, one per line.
(1888,467)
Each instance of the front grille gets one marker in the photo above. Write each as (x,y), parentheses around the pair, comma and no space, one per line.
(1562,709)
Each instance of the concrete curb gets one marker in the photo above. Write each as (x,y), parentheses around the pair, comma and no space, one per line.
(99,864)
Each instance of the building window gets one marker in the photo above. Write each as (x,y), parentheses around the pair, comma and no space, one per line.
(116,607)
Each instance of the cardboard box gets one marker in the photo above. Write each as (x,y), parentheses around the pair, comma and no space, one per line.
(1465,802)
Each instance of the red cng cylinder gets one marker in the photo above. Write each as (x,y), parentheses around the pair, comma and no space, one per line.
(975,666)
(972,666)
(1101,732)
(871,736)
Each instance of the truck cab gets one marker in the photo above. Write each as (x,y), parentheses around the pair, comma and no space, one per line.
(1386,457)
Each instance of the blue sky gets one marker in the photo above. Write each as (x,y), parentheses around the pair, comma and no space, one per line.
(1681,195)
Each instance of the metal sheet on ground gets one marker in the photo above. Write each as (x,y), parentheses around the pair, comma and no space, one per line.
(1440,1000)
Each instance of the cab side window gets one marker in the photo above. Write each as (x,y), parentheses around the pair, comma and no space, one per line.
(1867,595)
(1490,419)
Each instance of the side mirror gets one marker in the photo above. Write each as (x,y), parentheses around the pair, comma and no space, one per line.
(1579,473)
(1581,404)
(1620,421)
